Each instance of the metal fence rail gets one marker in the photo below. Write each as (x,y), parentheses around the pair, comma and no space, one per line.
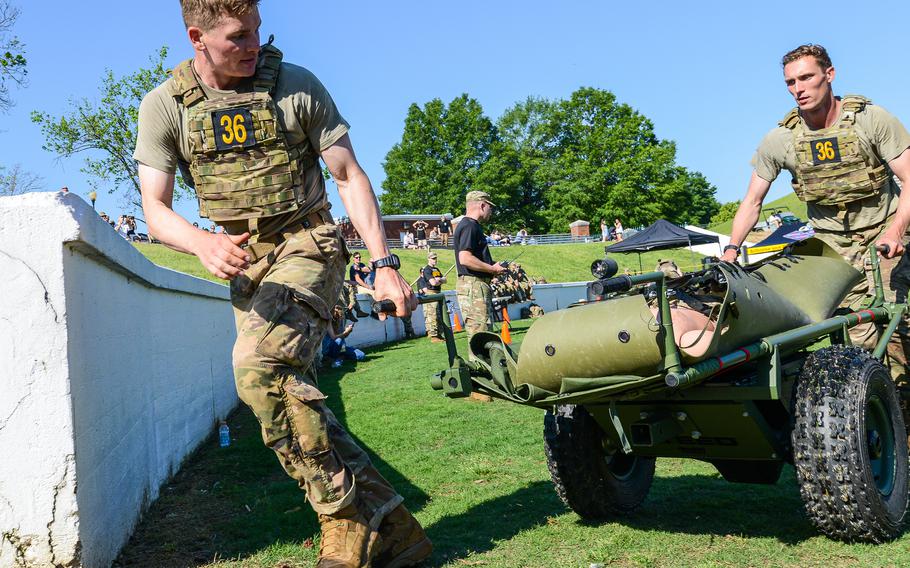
(547,239)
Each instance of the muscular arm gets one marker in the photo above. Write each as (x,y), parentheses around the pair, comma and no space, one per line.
(893,235)
(748,213)
(360,202)
(219,254)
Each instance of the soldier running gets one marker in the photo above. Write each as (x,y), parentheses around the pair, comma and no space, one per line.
(841,154)
(246,131)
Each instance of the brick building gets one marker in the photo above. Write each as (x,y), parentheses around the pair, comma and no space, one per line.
(395,226)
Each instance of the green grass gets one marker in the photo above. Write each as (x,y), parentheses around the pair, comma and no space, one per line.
(475,475)
(556,263)
(788,202)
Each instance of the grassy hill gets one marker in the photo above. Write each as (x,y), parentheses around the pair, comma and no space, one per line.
(475,475)
(788,202)
(556,263)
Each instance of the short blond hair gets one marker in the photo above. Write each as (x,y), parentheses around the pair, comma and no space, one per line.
(808,50)
(205,14)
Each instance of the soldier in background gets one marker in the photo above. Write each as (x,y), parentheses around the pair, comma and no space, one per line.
(445,229)
(282,253)
(474,265)
(432,280)
(841,154)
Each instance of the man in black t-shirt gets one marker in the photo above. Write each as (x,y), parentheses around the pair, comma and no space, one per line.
(445,229)
(431,281)
(420,227)
(474,265)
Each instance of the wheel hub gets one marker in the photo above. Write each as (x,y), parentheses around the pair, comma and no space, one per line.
(880,444)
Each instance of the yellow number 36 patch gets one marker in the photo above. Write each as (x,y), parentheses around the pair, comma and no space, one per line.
(825,150)
(233,128)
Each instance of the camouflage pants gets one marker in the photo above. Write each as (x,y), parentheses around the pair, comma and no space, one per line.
(475,298)
(853,247)
(282,307)
(431,318)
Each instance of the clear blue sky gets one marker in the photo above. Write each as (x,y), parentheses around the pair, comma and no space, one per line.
(706,73)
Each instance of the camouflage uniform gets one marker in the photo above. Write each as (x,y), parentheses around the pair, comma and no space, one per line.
(282,307)
(841,172)
(475,297)
(854,248)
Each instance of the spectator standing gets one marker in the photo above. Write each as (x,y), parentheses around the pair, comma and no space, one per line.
(130,228)
(431,280)
(618,228)
(474,265)
(604,231)
(122,227)
(420,226)
(445,229)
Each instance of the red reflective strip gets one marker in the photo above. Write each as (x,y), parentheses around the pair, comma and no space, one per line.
(748,355)
(720,363)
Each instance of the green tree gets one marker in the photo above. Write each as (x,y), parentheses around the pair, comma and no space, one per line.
(513,173)
(439,157)
(609,163)
(726,212)
(105,131)
(12,56)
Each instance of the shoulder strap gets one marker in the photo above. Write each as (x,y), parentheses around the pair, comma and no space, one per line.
(267,67)
(791,120)
(855,103)
(184,84)
(851,105)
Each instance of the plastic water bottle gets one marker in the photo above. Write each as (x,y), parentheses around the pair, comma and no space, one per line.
(224,435)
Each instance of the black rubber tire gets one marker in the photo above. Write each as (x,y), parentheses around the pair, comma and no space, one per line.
(847,419)
(591,483)
(749,471)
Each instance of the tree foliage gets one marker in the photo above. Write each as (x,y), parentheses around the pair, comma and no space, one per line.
(546,164)
(13,69)
(726,212)
(105,131)
(439,158)
(16,181)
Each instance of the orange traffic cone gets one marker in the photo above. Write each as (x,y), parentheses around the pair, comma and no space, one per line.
(456,322)
(505,334)
(505,315)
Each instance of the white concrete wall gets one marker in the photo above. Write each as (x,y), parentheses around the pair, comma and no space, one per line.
(114,370)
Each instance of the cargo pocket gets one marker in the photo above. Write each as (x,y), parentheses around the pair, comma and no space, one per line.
(308,425)
(293,330)
(327,484)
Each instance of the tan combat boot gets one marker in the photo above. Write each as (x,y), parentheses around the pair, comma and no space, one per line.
(347,540)
(402,541)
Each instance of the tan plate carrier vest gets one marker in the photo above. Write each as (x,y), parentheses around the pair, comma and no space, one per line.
(241,164)
(831,166)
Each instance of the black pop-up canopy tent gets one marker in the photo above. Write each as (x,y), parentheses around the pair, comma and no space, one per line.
(661,235)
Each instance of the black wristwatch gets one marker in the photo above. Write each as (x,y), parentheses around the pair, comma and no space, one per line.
(391,261)
(732,247)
